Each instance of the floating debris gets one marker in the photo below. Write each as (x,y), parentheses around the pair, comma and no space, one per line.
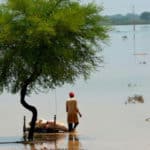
(124,37)
(135,99)
(147,119)
(132,84)
(143,62)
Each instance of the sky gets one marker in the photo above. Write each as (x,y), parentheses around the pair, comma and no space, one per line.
(112,7)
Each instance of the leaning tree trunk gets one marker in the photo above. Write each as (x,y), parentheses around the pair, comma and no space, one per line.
(30,108)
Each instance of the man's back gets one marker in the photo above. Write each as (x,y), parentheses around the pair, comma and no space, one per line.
(71,106)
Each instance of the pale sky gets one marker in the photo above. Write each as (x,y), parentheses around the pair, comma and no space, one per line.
(121,6)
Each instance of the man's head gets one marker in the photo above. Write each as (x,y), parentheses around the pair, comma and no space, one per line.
(71,94)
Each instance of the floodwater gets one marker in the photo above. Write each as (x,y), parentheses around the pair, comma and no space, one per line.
(107,122)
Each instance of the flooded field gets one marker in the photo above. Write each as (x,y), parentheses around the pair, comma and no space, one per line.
(109,122)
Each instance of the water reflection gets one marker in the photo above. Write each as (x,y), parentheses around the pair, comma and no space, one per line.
(49,141)
(44,145)
(73,141)
(69,141)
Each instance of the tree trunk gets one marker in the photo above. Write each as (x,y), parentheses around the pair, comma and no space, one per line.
(30,108)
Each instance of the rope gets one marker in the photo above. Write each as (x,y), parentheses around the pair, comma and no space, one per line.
(55,104)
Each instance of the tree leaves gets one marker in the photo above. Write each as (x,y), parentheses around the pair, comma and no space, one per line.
(52,41)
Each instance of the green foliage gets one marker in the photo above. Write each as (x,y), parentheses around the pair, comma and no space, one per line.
(145,16)
(130,18)
(51,42)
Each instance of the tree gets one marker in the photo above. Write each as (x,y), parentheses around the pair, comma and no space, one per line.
(145,16)
(46,43)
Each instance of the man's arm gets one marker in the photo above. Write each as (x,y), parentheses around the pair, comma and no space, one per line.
(79,114)
(78,110)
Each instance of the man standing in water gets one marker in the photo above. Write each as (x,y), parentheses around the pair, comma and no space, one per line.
(72,112)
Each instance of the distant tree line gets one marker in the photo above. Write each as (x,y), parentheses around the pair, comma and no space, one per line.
(130,18)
